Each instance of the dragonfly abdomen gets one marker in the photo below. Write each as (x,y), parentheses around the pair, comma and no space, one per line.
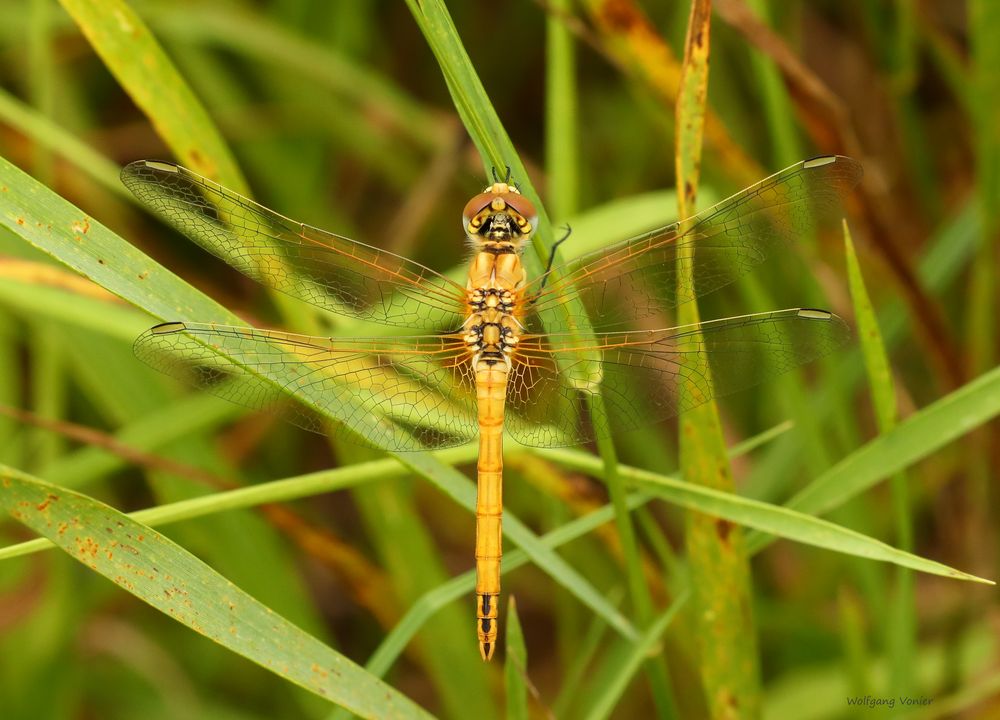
(491,389)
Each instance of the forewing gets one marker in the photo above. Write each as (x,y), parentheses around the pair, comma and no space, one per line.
(636,278)
(327,270)
(410,393)
(639,373)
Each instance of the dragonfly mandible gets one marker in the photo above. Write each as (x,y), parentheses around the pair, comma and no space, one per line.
(502,352)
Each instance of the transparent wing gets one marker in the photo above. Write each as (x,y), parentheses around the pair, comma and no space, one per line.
(410,393)
(634,278)
(324,269)
(639,373)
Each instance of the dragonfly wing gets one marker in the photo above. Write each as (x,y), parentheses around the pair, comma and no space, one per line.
(639,374)
(327,270)
(635,278)
(410,393)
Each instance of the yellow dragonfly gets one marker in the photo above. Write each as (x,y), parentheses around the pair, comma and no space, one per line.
(502,352)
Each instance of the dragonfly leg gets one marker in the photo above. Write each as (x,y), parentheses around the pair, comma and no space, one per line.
(552,255)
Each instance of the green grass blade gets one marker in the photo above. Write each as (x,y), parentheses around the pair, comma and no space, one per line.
(562,144)
(477,112)
(921,434)
(646,646)
(900,622)
(515,666)
(720,571)
(136,59)
(48,134)
(293,488)
(786,146)
(786,523)
(61,230)
(638,590)
(41,64)
(562,132)
(161,573)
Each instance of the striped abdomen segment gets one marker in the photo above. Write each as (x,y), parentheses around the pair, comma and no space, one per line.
(491,388)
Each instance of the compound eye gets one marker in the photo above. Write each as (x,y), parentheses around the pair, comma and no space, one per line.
(522,206)
(476,205)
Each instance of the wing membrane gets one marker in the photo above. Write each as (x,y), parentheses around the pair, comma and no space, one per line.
(327,270)
(634,278)
(639,373)
(409,393)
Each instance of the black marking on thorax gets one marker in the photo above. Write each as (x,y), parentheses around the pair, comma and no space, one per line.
(499,248)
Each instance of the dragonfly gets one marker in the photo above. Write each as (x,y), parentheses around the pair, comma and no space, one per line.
(501,353)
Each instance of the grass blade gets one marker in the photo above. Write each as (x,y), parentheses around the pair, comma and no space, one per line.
(515,666)
(136,59)
(562,131)
(720,571)
(917,437)
(51,136)
(157,571)
(788,523)
(900,622)
(644,648)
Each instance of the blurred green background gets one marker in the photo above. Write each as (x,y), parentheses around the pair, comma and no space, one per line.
(336,114)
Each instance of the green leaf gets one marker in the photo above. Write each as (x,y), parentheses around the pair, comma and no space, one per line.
(515,666)
(156,570)
(900,621)
(774,519)
(648,645)
(61,230)
(720,570)
(137,61)
(917,437)
(872,346)
(49,135)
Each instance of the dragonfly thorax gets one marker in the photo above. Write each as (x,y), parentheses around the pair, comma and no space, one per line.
(491,337)
(491,298)
(491,329)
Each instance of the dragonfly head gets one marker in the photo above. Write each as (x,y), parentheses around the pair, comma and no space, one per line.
(499,216)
